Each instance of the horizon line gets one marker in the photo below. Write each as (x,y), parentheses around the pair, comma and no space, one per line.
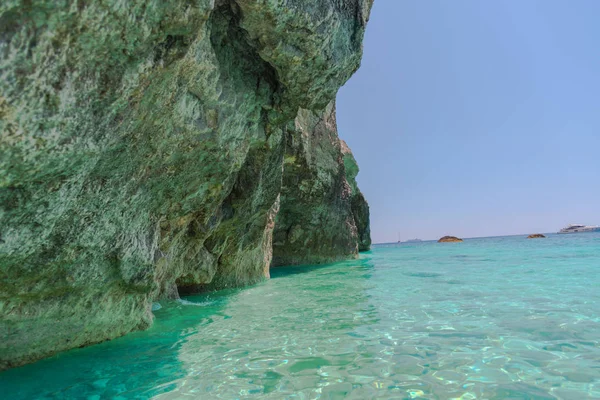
(475,237)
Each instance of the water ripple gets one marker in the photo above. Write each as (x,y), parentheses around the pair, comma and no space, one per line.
(509,319)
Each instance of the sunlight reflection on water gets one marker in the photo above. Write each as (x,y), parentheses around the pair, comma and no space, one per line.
(488,318)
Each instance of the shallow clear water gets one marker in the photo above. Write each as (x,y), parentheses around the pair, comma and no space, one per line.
(492,318)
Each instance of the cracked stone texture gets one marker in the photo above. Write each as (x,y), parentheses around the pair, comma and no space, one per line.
(142,145)
(323,216)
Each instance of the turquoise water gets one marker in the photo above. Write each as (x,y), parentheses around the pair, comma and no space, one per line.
(493,318)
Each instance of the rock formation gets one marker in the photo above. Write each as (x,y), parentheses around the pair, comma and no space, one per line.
(449,239)
(323,215)
(142,151)
(536,236)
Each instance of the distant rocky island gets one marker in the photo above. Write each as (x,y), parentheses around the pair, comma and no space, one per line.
(536,236)
(449,239)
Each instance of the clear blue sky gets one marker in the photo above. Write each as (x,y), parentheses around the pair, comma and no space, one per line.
(477,118)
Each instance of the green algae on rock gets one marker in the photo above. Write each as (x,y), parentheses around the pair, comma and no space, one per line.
(359,205)
(319,196)
(141,153)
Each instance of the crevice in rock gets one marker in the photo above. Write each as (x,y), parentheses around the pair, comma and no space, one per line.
(232,45)
(173,48)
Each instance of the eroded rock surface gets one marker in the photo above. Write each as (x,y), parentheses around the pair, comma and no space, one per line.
(323,216)
(141,152)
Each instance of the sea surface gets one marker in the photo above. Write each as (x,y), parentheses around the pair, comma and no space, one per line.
(489,318)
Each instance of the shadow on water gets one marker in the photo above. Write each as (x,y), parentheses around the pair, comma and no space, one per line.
(281,272)
(138,365)
(286,271)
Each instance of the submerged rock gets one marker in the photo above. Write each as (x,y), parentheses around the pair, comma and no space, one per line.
(536,236)
(449,239)
(142,151)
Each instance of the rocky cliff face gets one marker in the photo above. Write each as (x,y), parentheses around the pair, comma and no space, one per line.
(323,215)
(142,151)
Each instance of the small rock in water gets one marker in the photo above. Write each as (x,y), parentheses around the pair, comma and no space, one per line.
(450,239)
(100,383)
(156,306)
(535,236)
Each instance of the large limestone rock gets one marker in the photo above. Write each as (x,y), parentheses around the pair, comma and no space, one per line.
(360,207)
(141,152)
(323,215)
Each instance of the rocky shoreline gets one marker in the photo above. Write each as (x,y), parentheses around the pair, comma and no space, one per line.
(165,147)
